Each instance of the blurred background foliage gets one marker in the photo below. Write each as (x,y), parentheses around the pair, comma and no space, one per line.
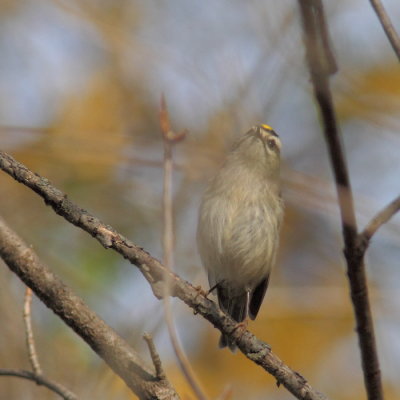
(80,85)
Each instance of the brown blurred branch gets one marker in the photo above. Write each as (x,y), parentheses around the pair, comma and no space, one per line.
(23,261)
(154,272)
(387,26)
(39,380)
(316,51)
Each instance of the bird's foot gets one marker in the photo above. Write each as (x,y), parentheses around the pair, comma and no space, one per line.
(242,326)
(201,291)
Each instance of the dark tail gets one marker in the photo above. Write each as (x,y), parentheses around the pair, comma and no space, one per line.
(240,307)
(225,342)
(236,308)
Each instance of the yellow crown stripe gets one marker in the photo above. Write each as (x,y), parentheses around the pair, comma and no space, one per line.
(267,127)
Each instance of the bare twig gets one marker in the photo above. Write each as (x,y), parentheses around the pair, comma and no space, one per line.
(40,380)
(155,357)
(381,218)
(169,139)
(387,26)
(311,11)
(154,272)
(30,342)
(37,374)
(124,361)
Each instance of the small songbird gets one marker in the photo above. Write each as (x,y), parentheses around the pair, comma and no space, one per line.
(239,223)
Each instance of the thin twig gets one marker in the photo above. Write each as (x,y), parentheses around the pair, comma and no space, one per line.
(40,380)
(169,139)
(37,374)
(154,272)
(311,11)
(30,342)
(387,26)
(381,218)
(168,230)
(155,357)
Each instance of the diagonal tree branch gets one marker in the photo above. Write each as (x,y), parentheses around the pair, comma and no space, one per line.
(311,14)
(387,26)
(381,218)
(76,314)
(254,349)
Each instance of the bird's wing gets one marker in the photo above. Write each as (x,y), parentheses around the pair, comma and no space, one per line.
(257,297)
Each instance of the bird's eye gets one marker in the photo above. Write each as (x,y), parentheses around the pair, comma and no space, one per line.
(271,143)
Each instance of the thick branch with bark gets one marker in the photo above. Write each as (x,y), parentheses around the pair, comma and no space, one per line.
(125,362)
(155,273)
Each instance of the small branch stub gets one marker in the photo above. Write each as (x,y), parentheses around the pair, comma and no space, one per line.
(168,134)
(381,218)
(155,357)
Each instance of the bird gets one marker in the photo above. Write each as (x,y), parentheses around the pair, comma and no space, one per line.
(239,223)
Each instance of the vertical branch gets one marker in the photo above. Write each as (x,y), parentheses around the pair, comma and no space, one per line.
(319,59)
(168,228)
(169,139)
